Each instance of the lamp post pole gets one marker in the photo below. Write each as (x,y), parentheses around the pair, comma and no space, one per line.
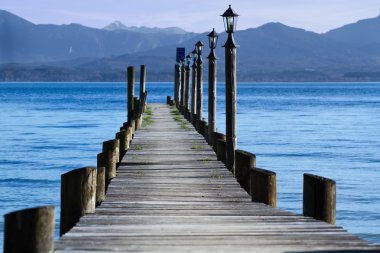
(199,46)
(183,73)
(229,17)
(213,38)
(194,87)
(187,81)
(176,83)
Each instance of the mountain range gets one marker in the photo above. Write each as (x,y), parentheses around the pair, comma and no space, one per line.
(271,52)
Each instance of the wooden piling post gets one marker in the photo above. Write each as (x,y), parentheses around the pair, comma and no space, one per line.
(78,196)
(106,159)
(168,100)
(131,91)
(112,146)
(217,136)
(30,230)
(124,137)
(263,186)
(100,185)
(244,161)
(319,198)
(200,126)
(221,150)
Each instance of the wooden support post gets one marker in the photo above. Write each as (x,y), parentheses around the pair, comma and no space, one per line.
(142,81)
(194,92)
(78,196)
(106,159)
(30,230)
(112,146)
(263,186)
(319,198)
(205,131)
(230,51)
(131,91)
(217,136)
(187,86)
(168,100)
(221,150)
(201,126)
(244,161)
(100,185)
(124,138)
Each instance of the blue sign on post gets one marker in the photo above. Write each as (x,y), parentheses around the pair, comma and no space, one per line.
(180,54)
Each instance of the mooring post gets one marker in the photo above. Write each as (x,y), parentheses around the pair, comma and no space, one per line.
(131,91)
(78,196)
(194,87)
(263,186)
(230,52)
(187,82)
(106,159)
(319,198)
(124,142)
(221,150)
(112,146)
(217,136)
(30,230)
(199,46)
(100,185)
(213,38)
(244,161)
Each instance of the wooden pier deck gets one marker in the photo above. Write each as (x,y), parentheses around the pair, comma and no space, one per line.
(172,195)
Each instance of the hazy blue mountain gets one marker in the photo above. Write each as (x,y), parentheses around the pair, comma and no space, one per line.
(271,52)
(22,41)
(363,32)
(117,25)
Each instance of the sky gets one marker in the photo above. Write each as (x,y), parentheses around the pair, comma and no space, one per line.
(195,15)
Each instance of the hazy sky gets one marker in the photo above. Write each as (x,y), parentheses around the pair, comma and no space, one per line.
(195,15)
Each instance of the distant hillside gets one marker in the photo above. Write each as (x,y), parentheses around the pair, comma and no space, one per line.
(271,52)
(23,41)
(117,25)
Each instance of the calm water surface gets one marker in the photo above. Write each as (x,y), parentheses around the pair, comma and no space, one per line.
(327,129)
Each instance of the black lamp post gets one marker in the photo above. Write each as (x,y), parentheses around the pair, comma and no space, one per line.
(183,73)
(187,81)
(213,40)
(199,47)
(230,20)
(194,86)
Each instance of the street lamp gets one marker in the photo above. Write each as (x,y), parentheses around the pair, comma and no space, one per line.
(199,47)
(230,20)
(213,40)
(194,86)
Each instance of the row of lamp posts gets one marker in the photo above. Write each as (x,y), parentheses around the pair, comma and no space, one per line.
(182,84)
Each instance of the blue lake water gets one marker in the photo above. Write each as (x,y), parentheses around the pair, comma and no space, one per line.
(329,129)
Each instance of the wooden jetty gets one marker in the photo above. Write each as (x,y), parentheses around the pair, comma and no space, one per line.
(171,194)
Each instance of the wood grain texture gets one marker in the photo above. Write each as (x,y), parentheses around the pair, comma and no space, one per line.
(171,194)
